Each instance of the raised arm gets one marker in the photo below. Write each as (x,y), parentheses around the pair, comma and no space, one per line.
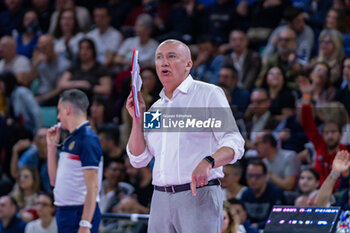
(340,164)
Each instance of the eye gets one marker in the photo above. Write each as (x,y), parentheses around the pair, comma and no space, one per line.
(172,56)
(158,57)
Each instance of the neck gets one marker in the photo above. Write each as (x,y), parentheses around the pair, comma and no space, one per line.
(144,40)
(239,53)
(10,58)
(271,153)
(6,221)
(259,192)
(110,187)
(273,91)
(103,29)
(46,221)
(52,57)
(75,122)
(234,189)
(86,65)
(331,150)
(28,192)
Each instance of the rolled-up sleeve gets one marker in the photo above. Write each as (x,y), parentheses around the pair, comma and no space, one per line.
(232,138)
(141,160)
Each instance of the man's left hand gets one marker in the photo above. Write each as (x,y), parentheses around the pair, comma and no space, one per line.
(200,176)
(84,230)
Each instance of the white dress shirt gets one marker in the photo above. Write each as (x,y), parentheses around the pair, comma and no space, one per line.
(178,153)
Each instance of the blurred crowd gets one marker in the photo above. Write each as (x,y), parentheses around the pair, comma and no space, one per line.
(284,66)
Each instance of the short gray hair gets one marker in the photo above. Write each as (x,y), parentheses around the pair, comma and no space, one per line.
(77,99)
(146,20)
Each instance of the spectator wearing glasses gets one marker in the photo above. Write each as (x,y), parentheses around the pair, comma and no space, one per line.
(285,57)
(261,195)
(46,211)
(283,166)
(258,116)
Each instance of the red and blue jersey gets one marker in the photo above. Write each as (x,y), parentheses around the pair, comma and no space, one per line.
(81,150)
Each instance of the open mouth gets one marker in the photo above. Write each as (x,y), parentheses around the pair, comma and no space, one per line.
(165,71)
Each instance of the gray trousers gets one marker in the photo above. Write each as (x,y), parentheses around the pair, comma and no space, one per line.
(184,213)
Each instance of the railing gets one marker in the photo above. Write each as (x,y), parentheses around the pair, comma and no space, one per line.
(132,217)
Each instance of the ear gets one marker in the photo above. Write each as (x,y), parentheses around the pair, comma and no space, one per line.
(189,65)
(68,110)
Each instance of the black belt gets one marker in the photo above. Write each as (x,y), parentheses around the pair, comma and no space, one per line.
(183,187)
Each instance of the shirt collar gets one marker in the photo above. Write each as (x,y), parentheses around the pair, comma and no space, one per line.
(183,87)
(81,126)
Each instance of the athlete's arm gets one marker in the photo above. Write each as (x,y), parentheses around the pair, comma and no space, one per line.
(91,181)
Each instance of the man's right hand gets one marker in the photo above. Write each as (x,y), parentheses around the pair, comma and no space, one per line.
(341,161)
(130,105)
(53,136)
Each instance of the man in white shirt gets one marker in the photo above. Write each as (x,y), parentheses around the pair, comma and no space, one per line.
(11,61)
(106,38)
(187,195)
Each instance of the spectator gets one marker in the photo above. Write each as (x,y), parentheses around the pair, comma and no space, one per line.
(108,134)
(121,10)
(186,22)
(231,220)
(100,111)
(12,17)
(157,9)
(47,67)
(141,179)
(87,74)
(220,20)
(258,117)
(34,154)
(25,192)
(129,205)
(316,12)
(239,207)
(142,41)
(9,222)
(11,61)
(83,15)
(22,107)
(246,62)
(341,163)
(282,100)
(285,57)
(320,88)
(46,211)
(343,94)
(207,64)
(336,19)
(113,187)
(44,8)
(230,183)
(305,36)
(151,86)
(106,38)
(239,96)
(309,181)
(283,166)
(261,195)
(263,17)
(28,35)
(326,144)
(331,52)
(67,34)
